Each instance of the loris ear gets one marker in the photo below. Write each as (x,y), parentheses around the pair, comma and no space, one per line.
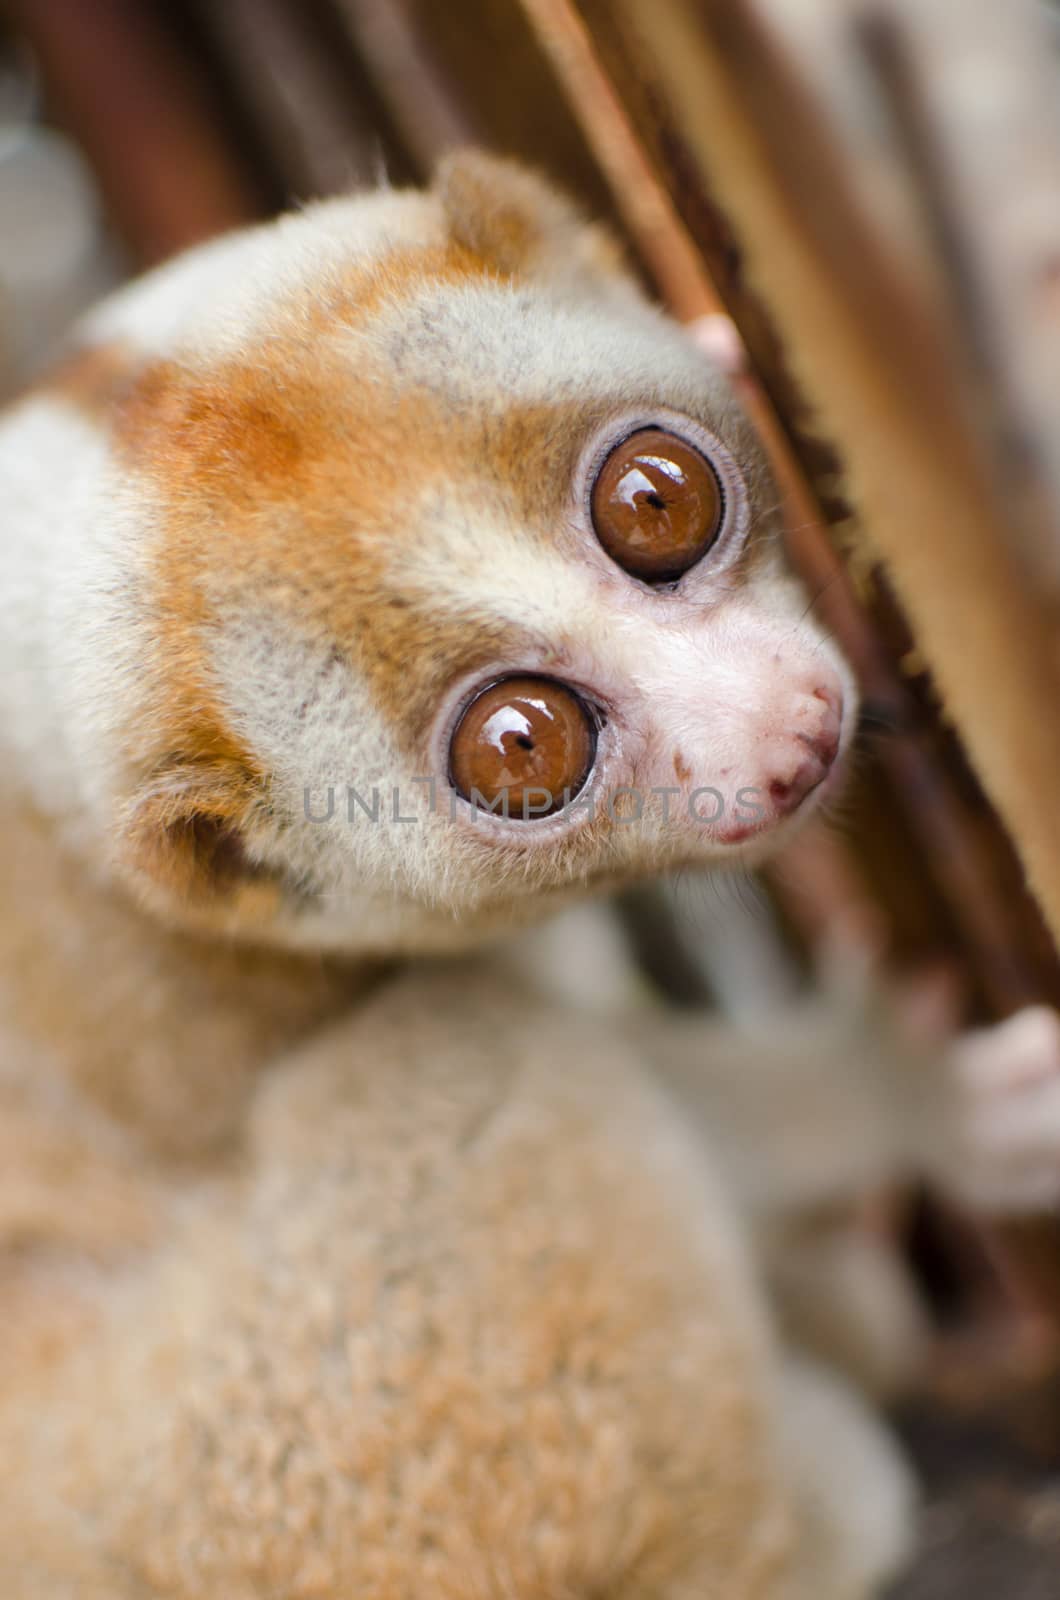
(183,845)
(514,219)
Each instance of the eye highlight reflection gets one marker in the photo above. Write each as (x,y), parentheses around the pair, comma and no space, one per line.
(523,748)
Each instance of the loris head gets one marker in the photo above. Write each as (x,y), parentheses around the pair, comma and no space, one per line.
(441,576)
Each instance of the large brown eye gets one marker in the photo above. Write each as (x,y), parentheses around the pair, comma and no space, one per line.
(656,505)
(523,748)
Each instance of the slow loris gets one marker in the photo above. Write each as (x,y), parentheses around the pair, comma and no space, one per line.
(376,582)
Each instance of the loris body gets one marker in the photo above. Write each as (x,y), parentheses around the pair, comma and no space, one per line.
(324,1280)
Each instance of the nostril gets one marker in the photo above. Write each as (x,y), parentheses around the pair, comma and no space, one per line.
(788,793)
(822,721)
(824,745)
(815,727)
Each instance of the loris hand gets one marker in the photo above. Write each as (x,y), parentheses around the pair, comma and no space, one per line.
(1002,1150)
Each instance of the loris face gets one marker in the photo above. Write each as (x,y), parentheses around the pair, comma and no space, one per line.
(449,574)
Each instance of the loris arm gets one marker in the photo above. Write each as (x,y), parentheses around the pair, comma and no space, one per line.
(819,1102)
(817,1106)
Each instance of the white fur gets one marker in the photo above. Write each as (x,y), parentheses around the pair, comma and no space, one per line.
(218,299)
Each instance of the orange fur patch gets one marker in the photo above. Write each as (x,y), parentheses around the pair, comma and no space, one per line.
(267,498)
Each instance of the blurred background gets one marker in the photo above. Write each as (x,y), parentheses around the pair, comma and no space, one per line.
(913,152)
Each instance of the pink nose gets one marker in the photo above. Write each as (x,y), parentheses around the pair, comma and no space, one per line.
(810,755)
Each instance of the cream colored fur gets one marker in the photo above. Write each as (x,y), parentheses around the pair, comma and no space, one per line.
(323,1277)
